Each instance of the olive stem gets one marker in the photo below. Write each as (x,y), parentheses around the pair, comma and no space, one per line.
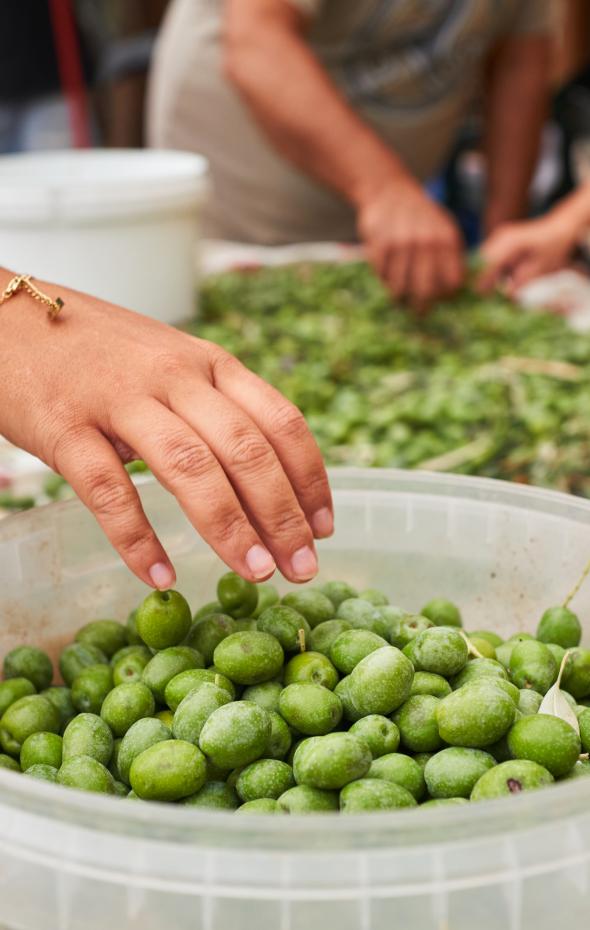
(456,457)
(473,650)
(563,371)
(577,586)
(564,662)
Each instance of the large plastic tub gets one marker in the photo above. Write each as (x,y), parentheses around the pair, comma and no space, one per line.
(120,224)
(72,861)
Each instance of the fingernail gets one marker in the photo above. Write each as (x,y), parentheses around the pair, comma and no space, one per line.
(304,563)
(322,523)
(162,576)
(260,562)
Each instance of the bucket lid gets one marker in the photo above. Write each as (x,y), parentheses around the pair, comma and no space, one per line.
(61,186)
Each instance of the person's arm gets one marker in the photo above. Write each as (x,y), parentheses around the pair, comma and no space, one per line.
(101,386)
(519,252)
(571,53)
(412,242)
(516,107)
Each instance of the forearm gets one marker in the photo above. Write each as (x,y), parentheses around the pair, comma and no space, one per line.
(302,112)
(574,212)
(517,96)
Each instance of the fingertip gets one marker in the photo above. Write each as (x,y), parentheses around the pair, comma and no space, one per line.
(162,576)
(322,523)
(304,564)
(260,563)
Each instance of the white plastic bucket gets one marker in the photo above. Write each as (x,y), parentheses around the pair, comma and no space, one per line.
(121,224)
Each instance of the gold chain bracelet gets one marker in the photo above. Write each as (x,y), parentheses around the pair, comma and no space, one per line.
(24,282)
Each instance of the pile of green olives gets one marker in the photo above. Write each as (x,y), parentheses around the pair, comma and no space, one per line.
(327,699)
(449,391)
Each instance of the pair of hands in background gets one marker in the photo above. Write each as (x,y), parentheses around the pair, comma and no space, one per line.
(417,249)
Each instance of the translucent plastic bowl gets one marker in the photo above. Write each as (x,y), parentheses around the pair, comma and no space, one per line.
(73,861)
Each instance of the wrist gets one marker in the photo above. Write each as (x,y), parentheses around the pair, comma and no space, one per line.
(26,302)
(499,212)
(571,218)
(5,277)
(379,178)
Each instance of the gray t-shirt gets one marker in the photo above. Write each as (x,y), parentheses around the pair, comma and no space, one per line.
(410,68)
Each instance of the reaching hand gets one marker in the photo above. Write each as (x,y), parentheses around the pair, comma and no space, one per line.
(516,253)
(101,386)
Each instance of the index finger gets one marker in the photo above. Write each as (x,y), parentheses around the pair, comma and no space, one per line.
(91,465)
(285,428)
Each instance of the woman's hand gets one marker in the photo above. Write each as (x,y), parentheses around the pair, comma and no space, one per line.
(516,253)
(102,385)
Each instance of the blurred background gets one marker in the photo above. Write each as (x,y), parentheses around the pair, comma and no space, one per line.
(74,75)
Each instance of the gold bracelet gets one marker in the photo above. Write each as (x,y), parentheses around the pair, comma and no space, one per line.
(24,282)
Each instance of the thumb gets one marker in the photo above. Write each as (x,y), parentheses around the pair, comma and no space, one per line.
(498,256)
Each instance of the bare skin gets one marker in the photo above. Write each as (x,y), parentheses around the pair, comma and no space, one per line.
(516,253)
(102,386)
(517,95)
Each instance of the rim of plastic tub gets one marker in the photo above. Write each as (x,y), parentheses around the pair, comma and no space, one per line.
(401,828)
(94,185)
(396,829)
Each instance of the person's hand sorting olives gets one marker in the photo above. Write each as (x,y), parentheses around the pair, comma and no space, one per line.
(413,243)
(517,253)
(101,386)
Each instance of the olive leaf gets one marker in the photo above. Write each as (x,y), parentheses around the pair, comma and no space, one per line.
(473,650)
(555,704)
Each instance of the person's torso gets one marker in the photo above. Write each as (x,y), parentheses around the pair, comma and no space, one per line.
(405,55)
(409,67)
